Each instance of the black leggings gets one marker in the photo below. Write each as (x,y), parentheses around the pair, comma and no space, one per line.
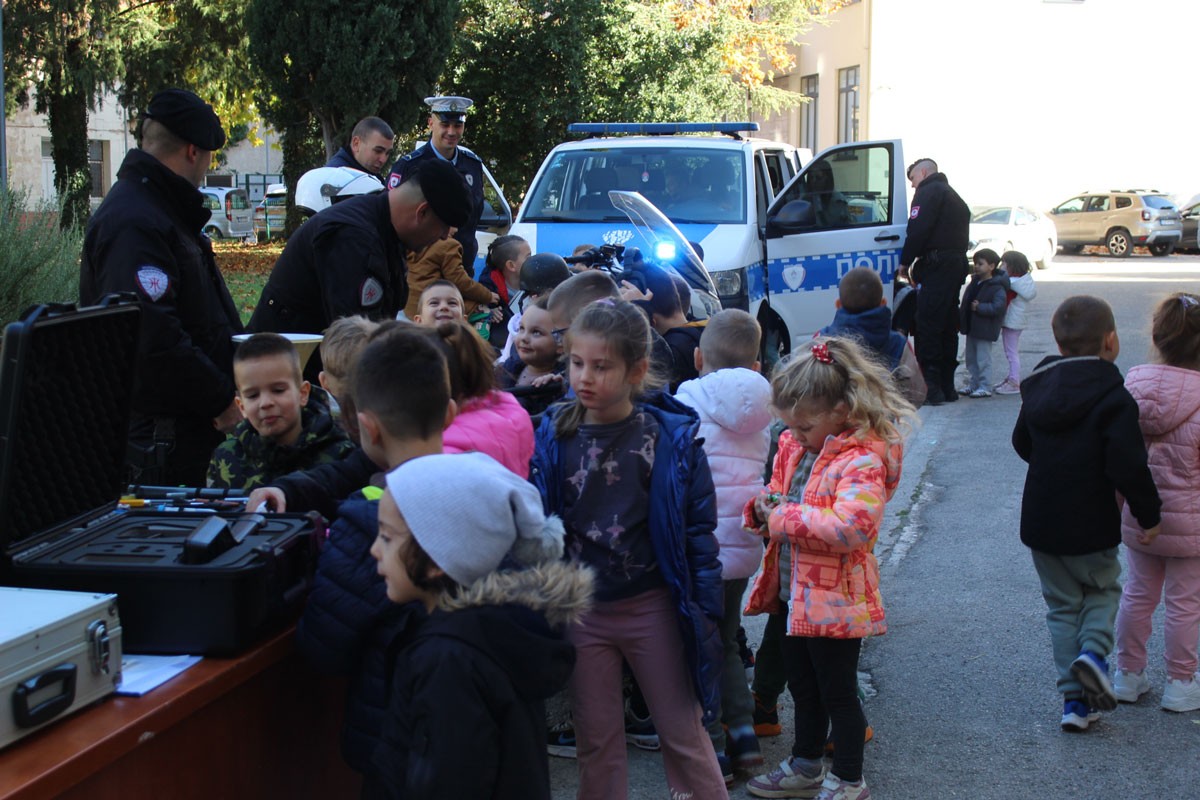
(823,679)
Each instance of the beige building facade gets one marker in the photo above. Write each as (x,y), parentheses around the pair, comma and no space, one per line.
(1019,101)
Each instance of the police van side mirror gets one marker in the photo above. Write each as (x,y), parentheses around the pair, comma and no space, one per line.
(797,216)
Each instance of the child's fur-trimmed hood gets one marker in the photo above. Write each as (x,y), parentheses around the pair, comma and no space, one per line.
(559,591)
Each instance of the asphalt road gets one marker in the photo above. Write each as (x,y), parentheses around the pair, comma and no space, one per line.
(962,695)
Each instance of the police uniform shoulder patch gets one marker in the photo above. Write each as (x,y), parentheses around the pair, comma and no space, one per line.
(370,293)
(915,210)
(394,180)
(153,282)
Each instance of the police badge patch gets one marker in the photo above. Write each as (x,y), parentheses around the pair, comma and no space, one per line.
(470,179)
(153,282)
(915,210)
(394,181)
(371,293)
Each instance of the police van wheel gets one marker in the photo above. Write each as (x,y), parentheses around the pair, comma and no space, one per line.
(775,345)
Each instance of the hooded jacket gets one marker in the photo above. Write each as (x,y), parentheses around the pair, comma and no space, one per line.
(468,688)
(1078,430)
(872,328)
(443,260)
(681,525)
(494,424)
(1023,290)
(835,577)
(984,322)
(1168,400)
(734,409)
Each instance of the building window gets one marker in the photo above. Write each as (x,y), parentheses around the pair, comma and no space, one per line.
(848,104)
(98,154)
(808,112)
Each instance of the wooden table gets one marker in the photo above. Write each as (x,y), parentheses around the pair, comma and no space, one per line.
(262,725)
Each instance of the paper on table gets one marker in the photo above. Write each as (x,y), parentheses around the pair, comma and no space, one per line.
(140,674)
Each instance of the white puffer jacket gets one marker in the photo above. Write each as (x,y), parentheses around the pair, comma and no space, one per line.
(733,405)
(1026,290)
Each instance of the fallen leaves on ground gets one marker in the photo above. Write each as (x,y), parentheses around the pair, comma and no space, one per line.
(245,268)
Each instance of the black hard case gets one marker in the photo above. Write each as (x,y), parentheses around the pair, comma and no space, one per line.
(65,386)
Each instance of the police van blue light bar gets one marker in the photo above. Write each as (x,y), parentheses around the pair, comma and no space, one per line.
(664,251)
(661,127)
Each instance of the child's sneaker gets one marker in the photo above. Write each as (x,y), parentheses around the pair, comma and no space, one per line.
(561,742)
(1091,671)
(640,732)
(1129,686)
(1008,386)
(1077,716)
(766,720)
(794,777)
(1182,695)
(834,788)
(981,392)
(743,751)
(726,769)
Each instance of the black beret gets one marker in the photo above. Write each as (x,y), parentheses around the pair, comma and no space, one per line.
(445,191)
(188,117)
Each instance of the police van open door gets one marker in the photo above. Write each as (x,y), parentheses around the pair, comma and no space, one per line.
(848,208)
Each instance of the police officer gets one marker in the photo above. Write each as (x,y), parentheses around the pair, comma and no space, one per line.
(936,252)
(447,118)
(370,146)
(146,238)
(349,259)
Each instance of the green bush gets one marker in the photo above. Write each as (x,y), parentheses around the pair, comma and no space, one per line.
(39,262)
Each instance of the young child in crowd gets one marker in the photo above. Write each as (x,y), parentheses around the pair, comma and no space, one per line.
(1021,289)
(440,261)
(402,390)
(840,403)
(732,400)
(863,314)
(285,428)
(502,276)
(983,305)
(1078,430)
(341,346)
(488,420)
(536,361)
(1168,397)
(633,487)
(540,273)
(669,318)
(485,646)
(439,302)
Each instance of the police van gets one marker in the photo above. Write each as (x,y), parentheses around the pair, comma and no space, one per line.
(777,227)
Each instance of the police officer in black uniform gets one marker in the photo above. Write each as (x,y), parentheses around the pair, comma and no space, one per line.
(447,118)
(349,259)
(146,238)
(936,252)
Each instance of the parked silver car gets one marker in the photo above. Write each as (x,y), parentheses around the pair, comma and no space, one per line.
(1004,228)
(1118,220)
(231,212)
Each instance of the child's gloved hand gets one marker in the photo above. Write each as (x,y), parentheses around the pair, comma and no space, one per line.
(1147,536)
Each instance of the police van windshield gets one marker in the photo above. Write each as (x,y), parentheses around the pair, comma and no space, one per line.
(690,185)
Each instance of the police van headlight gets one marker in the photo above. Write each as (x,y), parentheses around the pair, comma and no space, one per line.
(730,282)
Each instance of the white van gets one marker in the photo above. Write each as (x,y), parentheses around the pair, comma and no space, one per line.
(775,246)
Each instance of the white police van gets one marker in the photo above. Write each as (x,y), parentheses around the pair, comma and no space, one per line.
(776,232)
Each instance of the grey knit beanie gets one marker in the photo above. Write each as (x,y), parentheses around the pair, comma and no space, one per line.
(467,511)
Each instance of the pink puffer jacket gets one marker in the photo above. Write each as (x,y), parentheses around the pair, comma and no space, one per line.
(494,424)
(835,578)
(1168,401)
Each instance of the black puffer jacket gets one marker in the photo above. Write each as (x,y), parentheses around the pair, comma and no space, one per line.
(1078,429)
(467,715)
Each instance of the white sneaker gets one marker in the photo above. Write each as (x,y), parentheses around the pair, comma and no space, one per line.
(1182,695)
(981,392)
(834,788)
(1129,686)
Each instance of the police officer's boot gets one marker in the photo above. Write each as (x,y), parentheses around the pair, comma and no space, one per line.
(948,381)
(935,394)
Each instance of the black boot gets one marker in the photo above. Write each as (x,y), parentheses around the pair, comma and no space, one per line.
(948,381)
(935,394)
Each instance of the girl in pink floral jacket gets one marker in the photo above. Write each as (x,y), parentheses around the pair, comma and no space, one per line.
(837,402)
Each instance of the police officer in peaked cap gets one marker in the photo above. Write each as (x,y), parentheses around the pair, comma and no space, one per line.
(146,238)
(447,120)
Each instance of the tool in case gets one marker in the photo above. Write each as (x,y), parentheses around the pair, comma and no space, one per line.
(59,654)
(201,583)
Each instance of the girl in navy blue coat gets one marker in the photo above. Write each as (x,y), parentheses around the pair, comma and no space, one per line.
(632,485)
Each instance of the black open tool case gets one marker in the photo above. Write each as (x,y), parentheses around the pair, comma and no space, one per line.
(186,581)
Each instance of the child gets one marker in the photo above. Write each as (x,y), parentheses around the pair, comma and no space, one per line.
(536,362)
(1021,289)
(439,302)
(636,497)
(982,312)
(839,402)
(402,389)
(488,420)
(863,313)
(341,346)
(442,260)
(282,431)
(540,273)
(1078,430)
(472,672)
(1168,397)
(502,276)
(732,400)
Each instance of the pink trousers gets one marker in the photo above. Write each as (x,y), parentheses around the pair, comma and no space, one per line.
(644,631)
(1010,337)
(1145,581)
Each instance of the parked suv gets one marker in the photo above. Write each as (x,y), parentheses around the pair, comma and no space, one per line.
(230,212)
(1119,220)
